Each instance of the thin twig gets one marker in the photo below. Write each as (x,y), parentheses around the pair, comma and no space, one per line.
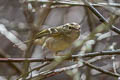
(14,66)
(76,3)
(116,52)
(34,24)
(60,70)
(42,65)
(91,25)
(73,57)
(101,18)
(29,18)
(101,70)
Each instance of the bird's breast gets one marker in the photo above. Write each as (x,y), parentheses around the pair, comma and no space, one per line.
(57,44)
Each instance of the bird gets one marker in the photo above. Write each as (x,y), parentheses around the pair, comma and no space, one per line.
(59,38)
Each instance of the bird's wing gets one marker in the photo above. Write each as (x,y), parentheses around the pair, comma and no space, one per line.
(51,32)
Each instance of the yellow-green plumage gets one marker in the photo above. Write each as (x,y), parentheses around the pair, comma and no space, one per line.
(58,38)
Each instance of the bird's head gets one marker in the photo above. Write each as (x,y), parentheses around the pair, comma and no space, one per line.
(72,26)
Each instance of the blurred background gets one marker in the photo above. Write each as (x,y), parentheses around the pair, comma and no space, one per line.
(15,28)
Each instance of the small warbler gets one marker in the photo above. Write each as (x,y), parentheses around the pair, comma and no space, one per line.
(58,38)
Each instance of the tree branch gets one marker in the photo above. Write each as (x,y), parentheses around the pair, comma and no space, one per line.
(76,3)
(101,18)
(73,57)
(14,66)
(34,24)
(101,70)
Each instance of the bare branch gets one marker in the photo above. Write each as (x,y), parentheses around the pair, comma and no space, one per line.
(37,68)
(73,57)
(101,70)
(101,18)
(76,3)
(34,24)
(14,66)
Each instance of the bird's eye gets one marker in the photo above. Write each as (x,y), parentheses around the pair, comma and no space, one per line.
(70,27)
